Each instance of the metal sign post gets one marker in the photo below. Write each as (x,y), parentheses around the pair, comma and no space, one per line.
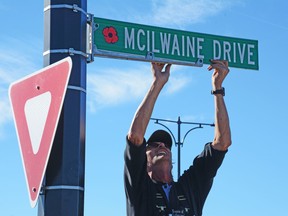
(65,34)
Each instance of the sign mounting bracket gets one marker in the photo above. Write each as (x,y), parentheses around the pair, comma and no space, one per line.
(149,57)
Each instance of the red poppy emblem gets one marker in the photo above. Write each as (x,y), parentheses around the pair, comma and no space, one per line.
(110,34)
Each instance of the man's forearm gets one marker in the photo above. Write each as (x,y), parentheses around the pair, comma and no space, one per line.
(143,114)
(222,139)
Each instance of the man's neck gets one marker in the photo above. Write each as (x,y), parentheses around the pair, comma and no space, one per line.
(161,176)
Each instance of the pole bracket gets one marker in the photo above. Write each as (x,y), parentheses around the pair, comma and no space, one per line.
(64,187)
(73,7)
(76,88)
(71,52)
(89,35)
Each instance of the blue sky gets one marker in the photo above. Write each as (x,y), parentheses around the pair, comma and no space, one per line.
(253,178)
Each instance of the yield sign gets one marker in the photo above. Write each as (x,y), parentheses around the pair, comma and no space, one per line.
(37,101)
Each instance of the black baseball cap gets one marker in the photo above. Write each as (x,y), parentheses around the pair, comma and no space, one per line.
(161,136)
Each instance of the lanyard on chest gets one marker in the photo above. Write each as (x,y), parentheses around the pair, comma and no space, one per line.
(165,207)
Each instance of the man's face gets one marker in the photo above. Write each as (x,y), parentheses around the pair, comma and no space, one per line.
(158,155)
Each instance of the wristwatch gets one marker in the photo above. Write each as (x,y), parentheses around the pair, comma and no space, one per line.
(218,91)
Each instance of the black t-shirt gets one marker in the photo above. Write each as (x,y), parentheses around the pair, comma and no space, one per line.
(145,197)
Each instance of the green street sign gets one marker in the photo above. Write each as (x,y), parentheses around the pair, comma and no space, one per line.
(116,39)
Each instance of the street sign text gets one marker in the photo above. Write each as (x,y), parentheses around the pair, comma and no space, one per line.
(148,43)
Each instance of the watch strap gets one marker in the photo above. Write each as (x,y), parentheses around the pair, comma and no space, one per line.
(219,91)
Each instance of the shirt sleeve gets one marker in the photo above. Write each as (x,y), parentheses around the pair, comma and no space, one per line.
(198,179)
(207,163)
(135,169)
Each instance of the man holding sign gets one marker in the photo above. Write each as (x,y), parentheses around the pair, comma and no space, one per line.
(149,186)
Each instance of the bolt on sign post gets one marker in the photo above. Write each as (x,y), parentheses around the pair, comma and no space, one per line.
(124,40)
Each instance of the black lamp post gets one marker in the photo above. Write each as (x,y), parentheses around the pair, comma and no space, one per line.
(178,142)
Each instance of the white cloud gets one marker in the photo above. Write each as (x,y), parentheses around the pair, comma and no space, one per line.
(176,83)
(117,86)
(14,64)
(5,110)
(185,12)
(19,58)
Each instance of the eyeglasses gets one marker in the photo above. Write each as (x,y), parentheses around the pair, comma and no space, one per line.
(156,145)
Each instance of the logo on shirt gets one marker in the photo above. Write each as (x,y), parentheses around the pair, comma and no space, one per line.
(180,212)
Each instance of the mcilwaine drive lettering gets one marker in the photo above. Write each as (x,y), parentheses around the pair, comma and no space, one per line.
(187,45)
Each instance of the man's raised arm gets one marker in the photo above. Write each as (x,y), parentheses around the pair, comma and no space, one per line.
(222,139)
(143,114)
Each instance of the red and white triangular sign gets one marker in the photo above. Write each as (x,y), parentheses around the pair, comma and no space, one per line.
(37,101)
